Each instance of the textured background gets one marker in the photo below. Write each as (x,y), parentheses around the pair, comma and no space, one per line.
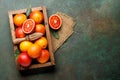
(91,53)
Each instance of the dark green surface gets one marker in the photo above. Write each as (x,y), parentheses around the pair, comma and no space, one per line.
(91,53)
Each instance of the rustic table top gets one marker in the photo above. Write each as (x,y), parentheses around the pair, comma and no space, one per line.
(91,53)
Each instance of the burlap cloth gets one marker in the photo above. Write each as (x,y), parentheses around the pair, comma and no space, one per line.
(65,31)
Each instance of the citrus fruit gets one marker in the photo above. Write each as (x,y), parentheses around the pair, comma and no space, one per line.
(37,16)
(18,19)
(28,26)
(40,28)
(24,60)
(42,42)
(24,45)
(44,57)
(34,51)
(19,33)
(55,21)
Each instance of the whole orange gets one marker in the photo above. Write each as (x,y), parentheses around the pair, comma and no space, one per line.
(37,16)
(18,19)
(42,42)
(40,28)
(44,57)
(24,45)
(34,51)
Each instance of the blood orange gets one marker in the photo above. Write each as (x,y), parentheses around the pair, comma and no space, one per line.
(28,26)
(24,59)
(42,42)
(34,51)
(19,33)
(44,57)
(37,16)
(55,21)
(40,28)
(19,19)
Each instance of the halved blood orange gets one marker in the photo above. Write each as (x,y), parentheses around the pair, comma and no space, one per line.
(55,21)
(28,26)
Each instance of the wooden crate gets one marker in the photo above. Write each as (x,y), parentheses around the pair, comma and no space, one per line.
(51,62)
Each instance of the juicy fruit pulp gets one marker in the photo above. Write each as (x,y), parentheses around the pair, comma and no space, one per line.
(28,26)
(18,19)
(55,22)
(37,16)
(24,60)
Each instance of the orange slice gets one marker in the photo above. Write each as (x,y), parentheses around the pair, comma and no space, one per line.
(55,21)
(28,26)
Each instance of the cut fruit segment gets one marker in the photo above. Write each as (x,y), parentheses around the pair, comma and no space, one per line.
(55,21)
(28,26)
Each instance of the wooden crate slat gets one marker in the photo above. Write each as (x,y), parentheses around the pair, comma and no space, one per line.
(48,35)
